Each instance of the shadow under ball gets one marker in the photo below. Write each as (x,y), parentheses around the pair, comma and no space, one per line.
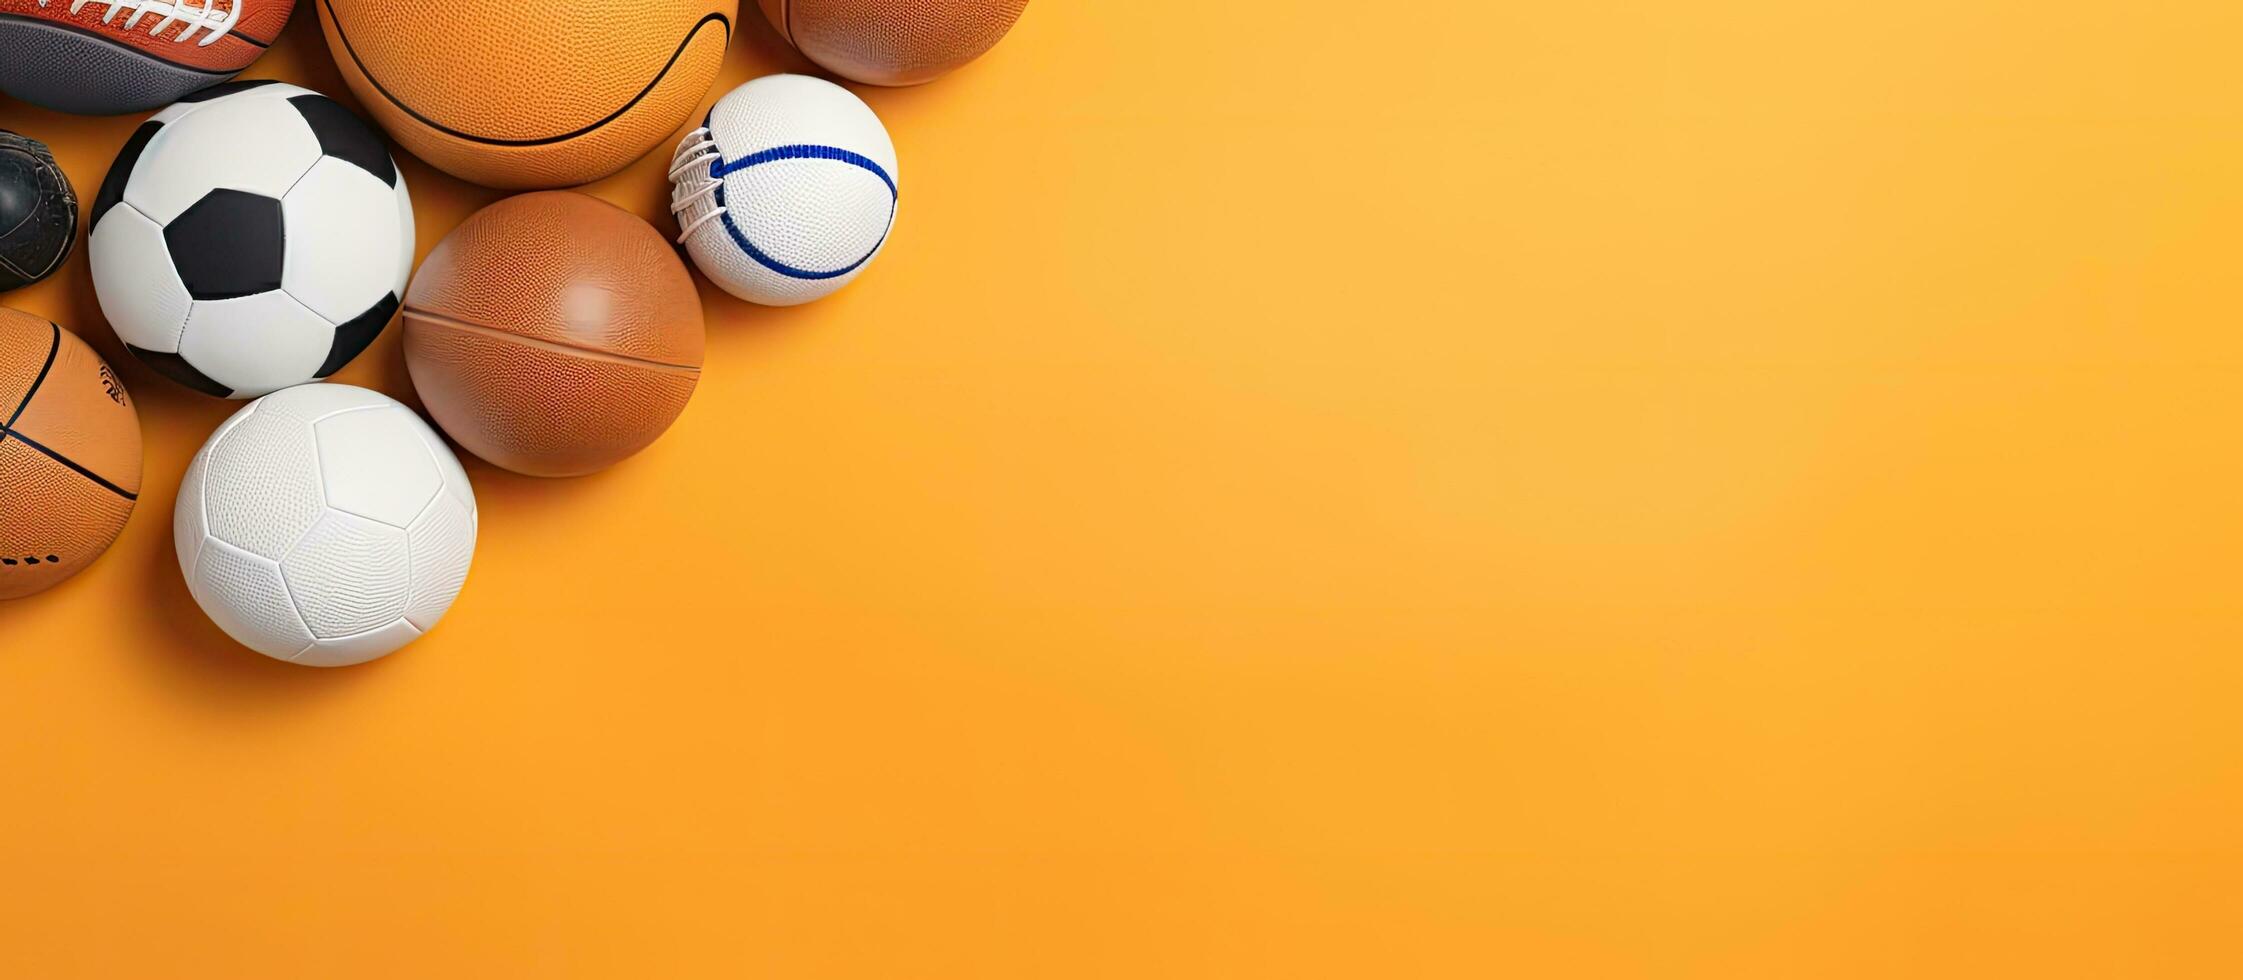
(553,334)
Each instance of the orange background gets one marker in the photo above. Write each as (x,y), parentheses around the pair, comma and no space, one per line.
(1727,490)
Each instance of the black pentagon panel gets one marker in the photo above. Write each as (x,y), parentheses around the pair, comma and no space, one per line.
(352,337)
(346,137)
(224,89)
(229,244)
(177,369)
(113,186)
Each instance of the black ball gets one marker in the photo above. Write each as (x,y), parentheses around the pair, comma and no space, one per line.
(38,212)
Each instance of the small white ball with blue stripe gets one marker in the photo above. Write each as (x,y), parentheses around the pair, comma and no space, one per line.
(787,192)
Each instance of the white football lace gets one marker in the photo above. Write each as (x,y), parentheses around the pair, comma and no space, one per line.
(695,157)
(213,17)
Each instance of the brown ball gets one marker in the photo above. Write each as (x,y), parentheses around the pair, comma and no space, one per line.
(69,454)
(892,42)
(553,334)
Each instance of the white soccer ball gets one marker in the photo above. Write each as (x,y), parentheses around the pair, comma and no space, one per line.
(325,525)
(252,236)
(787,192)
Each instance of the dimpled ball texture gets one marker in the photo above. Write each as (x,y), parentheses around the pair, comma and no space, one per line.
(892,42)
(553,334)
(325,525)
(69,454)
(111,57)
(790,191)
(523,95)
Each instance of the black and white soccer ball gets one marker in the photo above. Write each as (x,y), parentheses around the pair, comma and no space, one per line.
(250,237)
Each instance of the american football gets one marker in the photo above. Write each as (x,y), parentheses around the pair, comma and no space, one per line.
(110,57)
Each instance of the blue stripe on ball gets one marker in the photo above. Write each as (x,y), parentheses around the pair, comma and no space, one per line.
(799,151)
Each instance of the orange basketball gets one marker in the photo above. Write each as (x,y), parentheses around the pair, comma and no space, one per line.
(892,42)
(69,454)
(553,334)
(511,94)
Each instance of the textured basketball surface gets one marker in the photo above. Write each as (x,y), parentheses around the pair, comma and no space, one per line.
(38,212)
(788,192)
(104,58)
(69,454)
(892,42)
(529,95)
(553,334)
(325,525)
(253,236)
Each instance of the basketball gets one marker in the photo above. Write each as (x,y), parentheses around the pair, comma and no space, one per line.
(110,57)
(788,192)
(69,454)
(553,334)
(521,95)
(892,42)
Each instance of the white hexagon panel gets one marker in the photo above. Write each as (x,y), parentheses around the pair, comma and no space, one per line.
(325,525)
(261,342)
(258,146)
(136,286)
(386,476)
(338,217)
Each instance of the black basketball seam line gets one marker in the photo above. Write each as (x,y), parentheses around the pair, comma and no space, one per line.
(73,464)
(786,25)
(112,42)
(244,35)
(337,21)
(54,346)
